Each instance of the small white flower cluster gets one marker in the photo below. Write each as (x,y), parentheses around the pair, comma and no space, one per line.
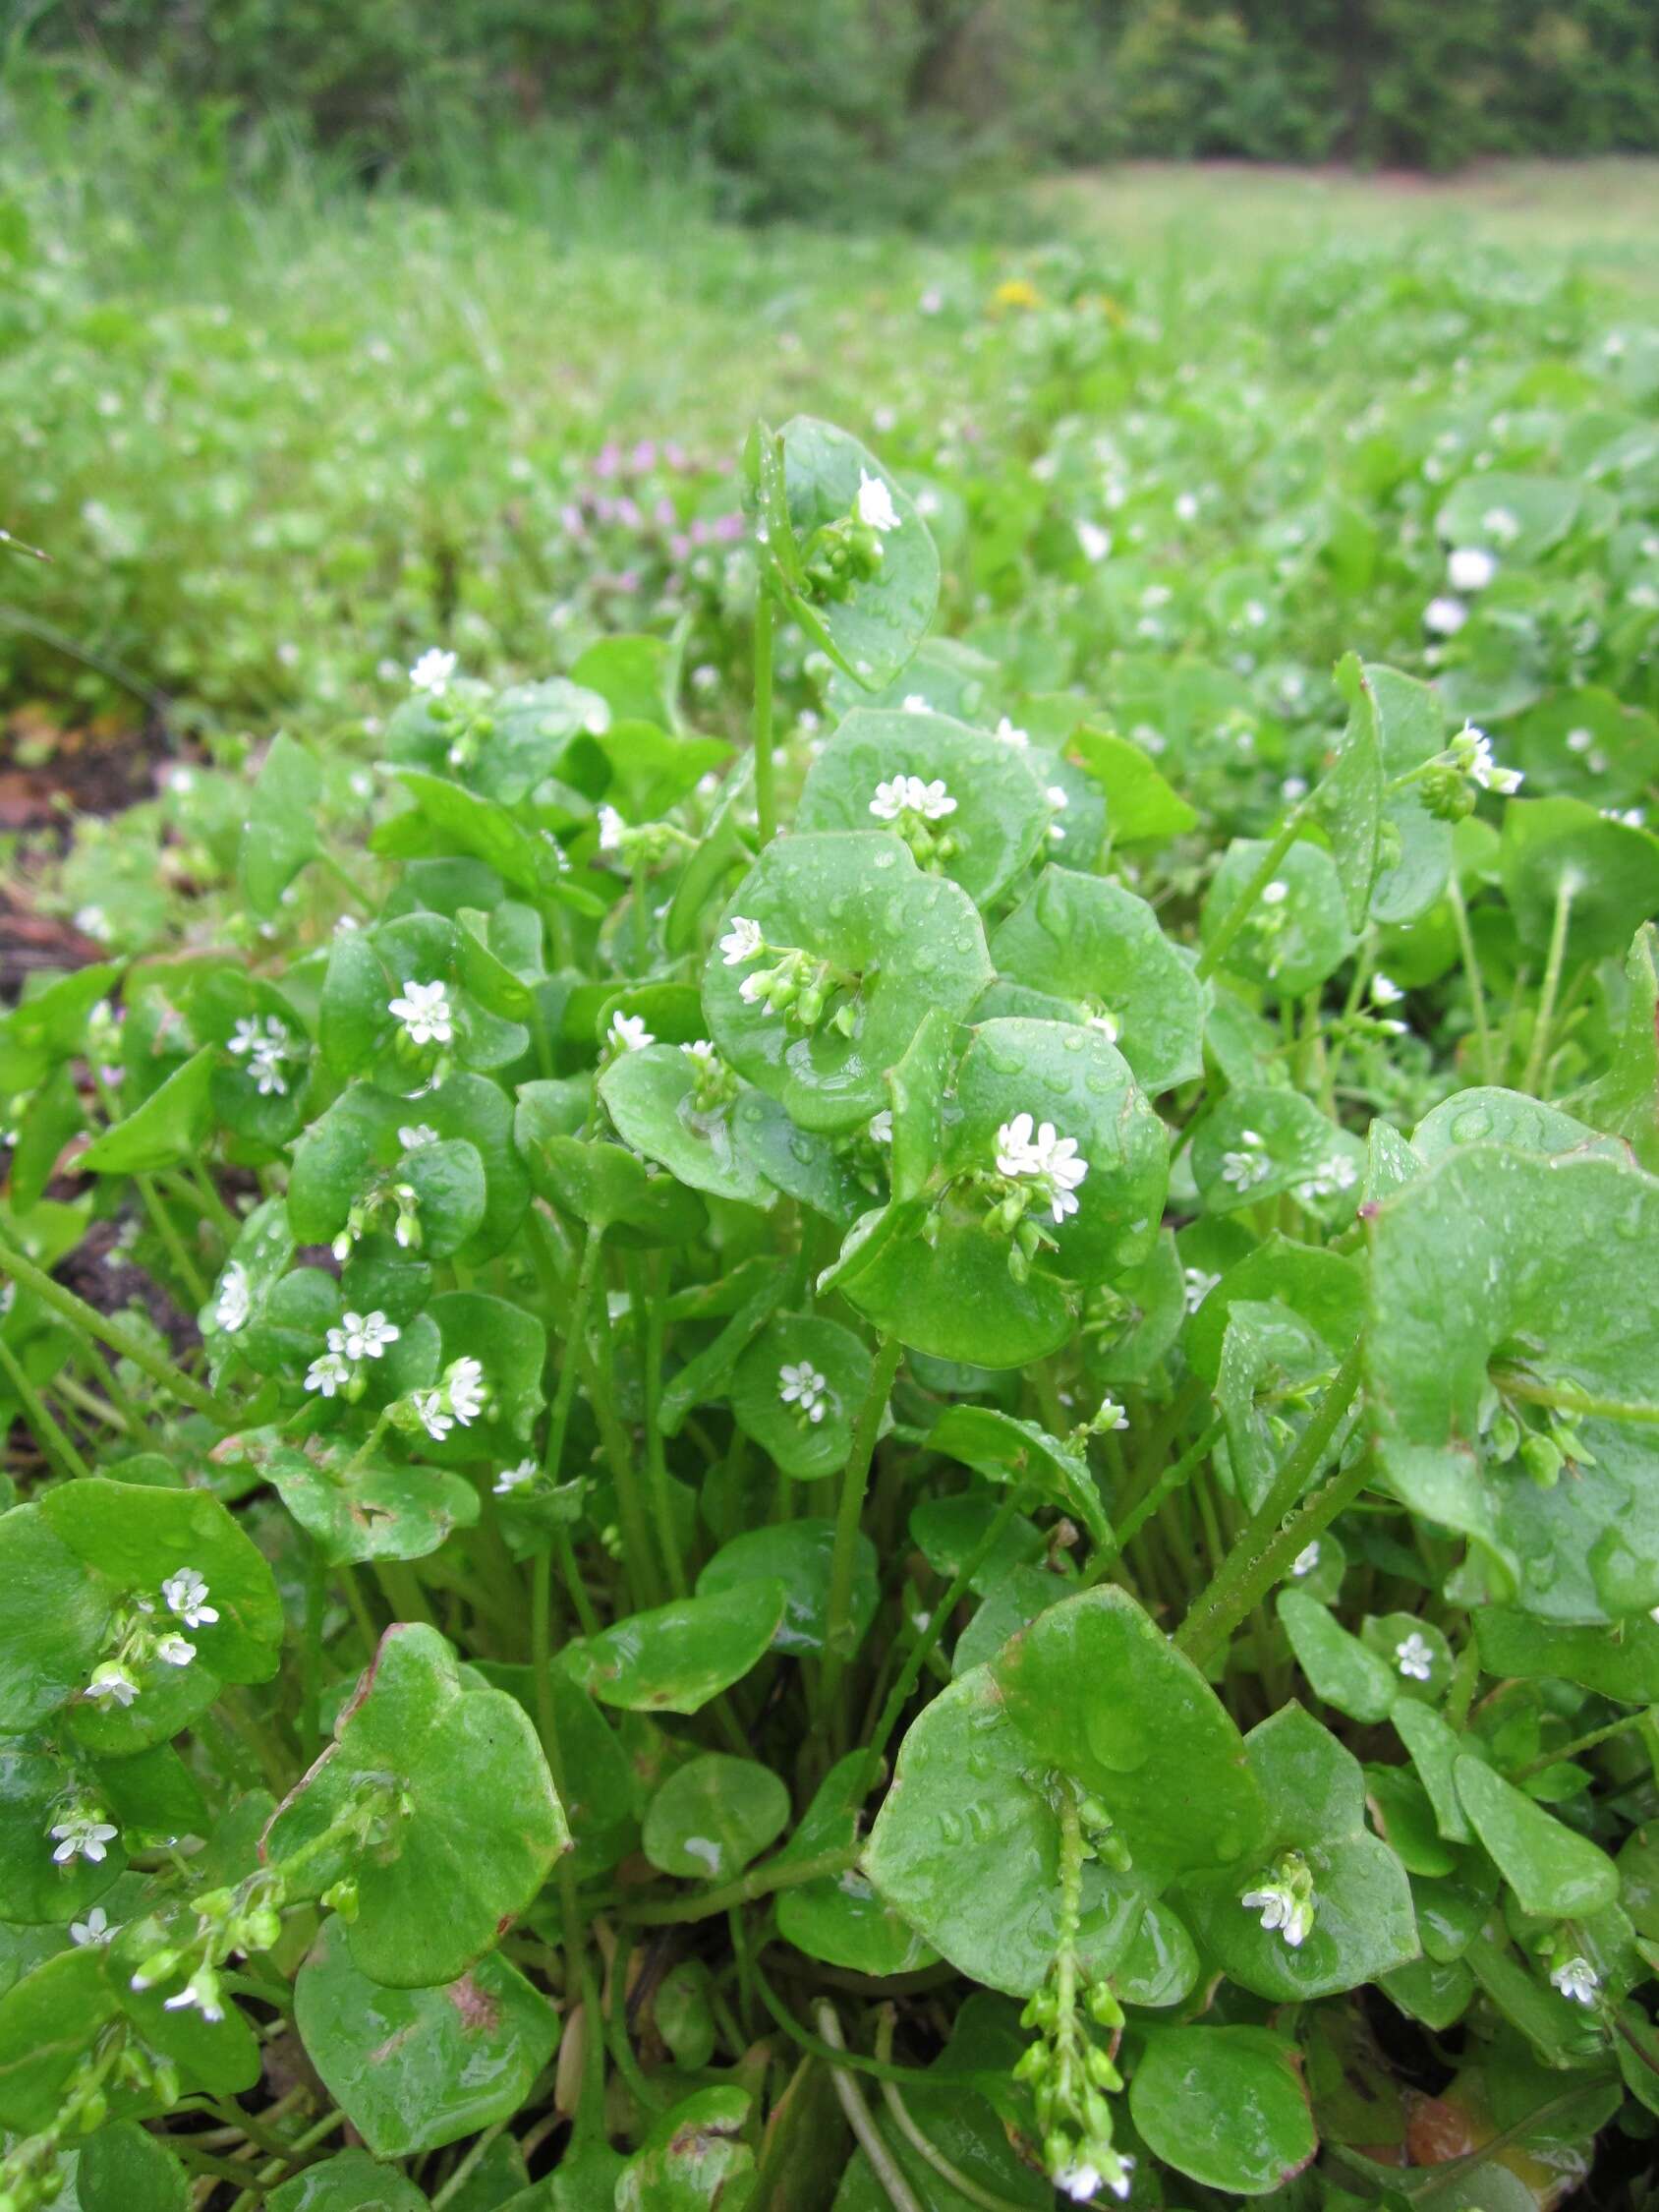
(801,1385)
(433,671)
(742,941)
(627,1033)
(1471,751)
(266,1048)
(358,1337)
(1028,1153)
(908,794)
(235,1300)
(513,1479)
(83,1833)
(424,1012)
(460,1397)
(1470,569)
(1084,2182)
(1286,1903)
(1249,1165)
(1576,1980)
(874,504)
(1329,1179)
(114,1682)
(1196,1285)
(1414,1658)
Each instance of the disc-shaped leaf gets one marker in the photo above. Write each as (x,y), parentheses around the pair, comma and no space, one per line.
(416,2067)
(713,1816)
(876,628)
(1558,850)
(1019,1452)
(826,1369)
(1224,2105)
(953,1298)
(476,1826)
(1363,1922)
(797,1554)
(999,812)
(1084,938)
(35,1791)
(350,2182)
(857,900)
(651,1097)
(1495,1256)
(609,1187)
(1290,942)
(380,1513)
(677,1658)
(966,1847)
(53,1623)
(1098,1690)
(1266,1142)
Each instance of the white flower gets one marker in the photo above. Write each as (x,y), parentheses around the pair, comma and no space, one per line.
(94,1928)
(742,941)
(1276,892)
(755,987)
(429,1411)
(424,1012)
(1186,506)
(702,1051)
(412,1135)
(235,1300)
(1249,1165)
(82,1835)
(202,1991)
(1041,1156)
(1106,1024)
(1282,1909)
(1110,1416)
(1081,2183)
(1196,1285)
(175,1650)
(328,1373)
(628,1033)
(1499,523)
(880,1126)
(910,794)
(1445,616)
(511,1479)
(91,921)
(876,509)
(1471,748)
(1578,1981)
(186,1594)
(915,704)
(611,826)
(1094,541)
(1010,736)
(245,1036)
(363,1336)
(1414,1658)
(465,1387)
(1470,569)
(1385,991)
(802,1386)
(1306,1560)
(432,672)
(110,1685)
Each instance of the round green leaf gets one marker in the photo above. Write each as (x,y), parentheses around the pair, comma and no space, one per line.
(651,1097)
(677,1658)
(35,1787)
(124,2168)
(1609,871)
(615,1192)
(1290,945)
(857,900)
(1225,2106)
(53,1623)
(1083,937)
(797,1554)
(713,1816)
(476,1826)
(352,2182)
(1262,1143)
(416,2067)
(1098,1690)
(966,1847)
(838,1380)
(999,814)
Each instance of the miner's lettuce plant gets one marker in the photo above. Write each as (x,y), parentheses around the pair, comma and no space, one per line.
(862,1473)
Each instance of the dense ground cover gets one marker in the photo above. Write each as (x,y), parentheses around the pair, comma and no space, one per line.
(1080,1218)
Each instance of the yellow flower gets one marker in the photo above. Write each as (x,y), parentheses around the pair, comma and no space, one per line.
(1014,292)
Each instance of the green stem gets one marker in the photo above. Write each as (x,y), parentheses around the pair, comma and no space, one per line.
(1165,1486)
(93,1324)
(53,1441)
(1245,1577)
(162,1222)
(766,774)
(921,1651)
(645,1302)
(759,1882)
(547,1726)
(1539,1053)
(1587,1742)
(457,2181)
(639,1563)
(576,1330)
(1471,975)
(859,2118)
(1240,912)
(923,2143)
(840,1635)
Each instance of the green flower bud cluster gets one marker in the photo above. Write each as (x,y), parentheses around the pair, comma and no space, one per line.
(401,1199)
(1542,1453)
(839,556)
(804,988)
